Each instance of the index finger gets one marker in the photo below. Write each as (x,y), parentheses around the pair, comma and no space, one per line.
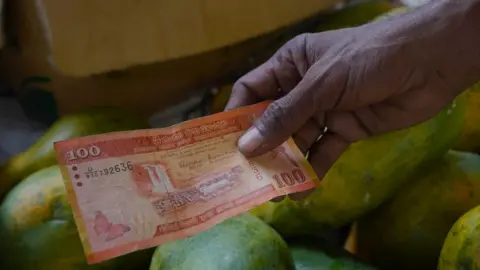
(274,78)
(257,85)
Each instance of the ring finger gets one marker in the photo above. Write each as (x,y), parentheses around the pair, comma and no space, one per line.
(309,133)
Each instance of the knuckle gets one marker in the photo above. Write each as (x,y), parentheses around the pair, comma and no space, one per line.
(302,38)
(293,49)
(297,42)
(304,49)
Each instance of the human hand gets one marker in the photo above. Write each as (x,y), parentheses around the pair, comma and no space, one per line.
(355,82)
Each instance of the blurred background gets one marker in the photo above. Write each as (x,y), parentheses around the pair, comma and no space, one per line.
(73,68)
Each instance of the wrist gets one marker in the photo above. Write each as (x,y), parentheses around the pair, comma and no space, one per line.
(460,44)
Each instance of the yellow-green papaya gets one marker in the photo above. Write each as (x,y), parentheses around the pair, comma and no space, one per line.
(41,154)
(393,12)
(354,15)
(37,229)
(470,139)
(460,248)
(408,231)
(366,174)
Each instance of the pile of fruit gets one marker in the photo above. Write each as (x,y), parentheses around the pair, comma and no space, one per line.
(412,196)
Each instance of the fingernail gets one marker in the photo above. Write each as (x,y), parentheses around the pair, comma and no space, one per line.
(250,141)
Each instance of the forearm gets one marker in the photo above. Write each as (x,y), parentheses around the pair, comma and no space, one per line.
(459,45)
(443,39)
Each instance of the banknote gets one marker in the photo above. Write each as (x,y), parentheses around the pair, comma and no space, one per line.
(137,189)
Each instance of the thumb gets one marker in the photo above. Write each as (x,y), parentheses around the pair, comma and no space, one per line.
(279,121)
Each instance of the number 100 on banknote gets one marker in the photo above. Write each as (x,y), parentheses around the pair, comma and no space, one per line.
(138,189)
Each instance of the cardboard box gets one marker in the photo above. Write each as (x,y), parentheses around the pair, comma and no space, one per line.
(143,89)
(90,37)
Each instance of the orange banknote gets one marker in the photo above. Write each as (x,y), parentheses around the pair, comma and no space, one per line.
(133,190)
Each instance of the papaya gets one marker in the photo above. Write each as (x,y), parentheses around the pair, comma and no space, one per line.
(367,174)
(354,15)
(393,12)
(461,246)
(309,254)
(243,242)
(38,231)
(220,99)
(41,154)
(408,231)
(470,139)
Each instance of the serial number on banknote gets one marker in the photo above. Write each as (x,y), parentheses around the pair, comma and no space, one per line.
(118,168)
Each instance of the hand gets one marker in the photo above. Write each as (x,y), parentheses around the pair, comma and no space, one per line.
(356,82)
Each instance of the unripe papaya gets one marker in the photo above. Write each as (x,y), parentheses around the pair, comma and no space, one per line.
(41,154)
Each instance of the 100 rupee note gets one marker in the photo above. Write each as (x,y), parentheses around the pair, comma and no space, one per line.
(133,190)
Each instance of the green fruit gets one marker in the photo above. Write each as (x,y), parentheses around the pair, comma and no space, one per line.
(38,230)
(41,154)
(460,249)
(470,140)
(393,12)
(310,255)
(243,242)
(354,15)
(408,231)
(366,174)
